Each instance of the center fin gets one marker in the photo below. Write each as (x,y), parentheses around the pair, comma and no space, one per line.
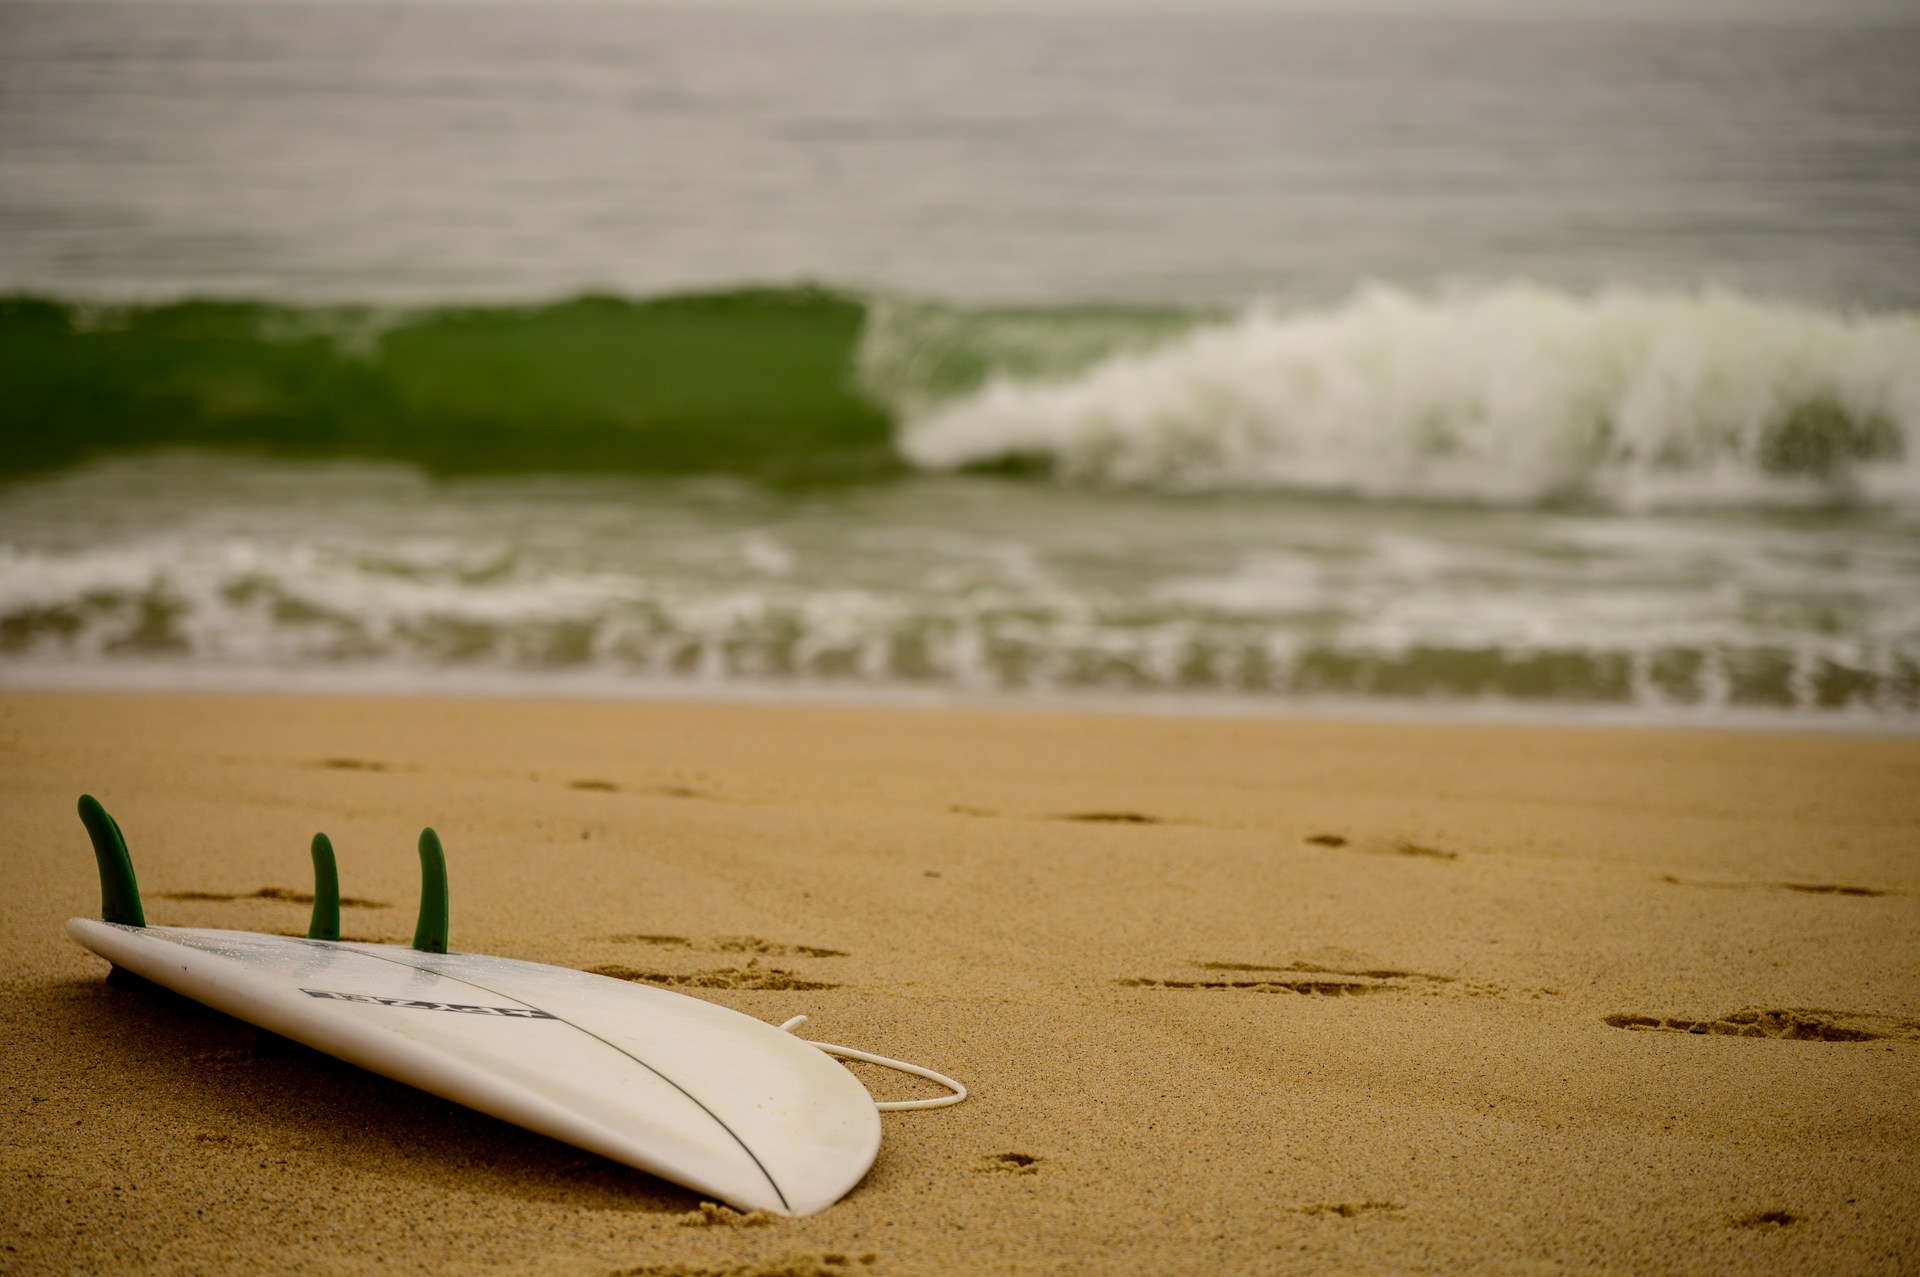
(430,933)
(326,892)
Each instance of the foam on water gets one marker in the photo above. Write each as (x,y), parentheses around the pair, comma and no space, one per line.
(1516,395)
(206,568)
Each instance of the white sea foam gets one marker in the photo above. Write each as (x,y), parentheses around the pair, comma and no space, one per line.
(1512,395)
(207,567)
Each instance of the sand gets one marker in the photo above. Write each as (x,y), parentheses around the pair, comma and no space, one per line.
(1232,996)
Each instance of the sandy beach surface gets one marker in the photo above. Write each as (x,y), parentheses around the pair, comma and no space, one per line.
(1232,996)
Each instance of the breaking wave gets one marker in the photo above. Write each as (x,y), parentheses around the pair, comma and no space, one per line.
(1517,395)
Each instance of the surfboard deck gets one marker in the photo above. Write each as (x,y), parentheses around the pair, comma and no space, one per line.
(696,1093)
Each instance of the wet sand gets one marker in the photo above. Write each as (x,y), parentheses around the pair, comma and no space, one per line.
(1232,996)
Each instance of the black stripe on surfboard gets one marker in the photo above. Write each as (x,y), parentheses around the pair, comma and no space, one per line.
(333,946)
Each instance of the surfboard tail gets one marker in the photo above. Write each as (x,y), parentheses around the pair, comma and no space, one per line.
(120,893)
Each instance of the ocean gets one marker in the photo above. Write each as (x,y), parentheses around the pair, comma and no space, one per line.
(1240,358)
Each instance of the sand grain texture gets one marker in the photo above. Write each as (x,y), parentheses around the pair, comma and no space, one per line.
(1217,1017)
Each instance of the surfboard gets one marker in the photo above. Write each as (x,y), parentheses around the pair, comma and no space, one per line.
(696,1093)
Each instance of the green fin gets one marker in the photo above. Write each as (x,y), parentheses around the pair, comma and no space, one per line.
(326,892)
(430,934)
(119,893)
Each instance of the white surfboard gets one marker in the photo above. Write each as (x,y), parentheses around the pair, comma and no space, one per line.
(693,1092)
(696,1093)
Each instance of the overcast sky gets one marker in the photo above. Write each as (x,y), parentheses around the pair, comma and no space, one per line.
(1808,10)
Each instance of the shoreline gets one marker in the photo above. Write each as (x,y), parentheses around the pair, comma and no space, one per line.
(450,684)
(1230,995)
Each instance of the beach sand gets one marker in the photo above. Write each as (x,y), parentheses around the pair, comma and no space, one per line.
(1232,996)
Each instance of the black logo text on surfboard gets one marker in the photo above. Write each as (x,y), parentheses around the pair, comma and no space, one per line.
(417,1004)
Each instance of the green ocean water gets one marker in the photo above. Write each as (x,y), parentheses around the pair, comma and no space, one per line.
(754,383)
(805,385)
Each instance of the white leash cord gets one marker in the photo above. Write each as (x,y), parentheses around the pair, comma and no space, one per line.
(888,1106)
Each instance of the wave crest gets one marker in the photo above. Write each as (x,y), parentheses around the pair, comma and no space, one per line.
(1512,395)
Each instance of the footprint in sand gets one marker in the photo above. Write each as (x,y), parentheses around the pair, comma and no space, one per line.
(1008,1164)
(354,765)
(1314,980)
(1765,1220)
(1307,978)
(829,1264)
(733,944)
(1110,818)
(1804,888)
(1352,1210)
(772,948)
(1394,847)
(1102,817)
(592,785)
(287,894)
(1795,1024)
(751,976)
(1420,850)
